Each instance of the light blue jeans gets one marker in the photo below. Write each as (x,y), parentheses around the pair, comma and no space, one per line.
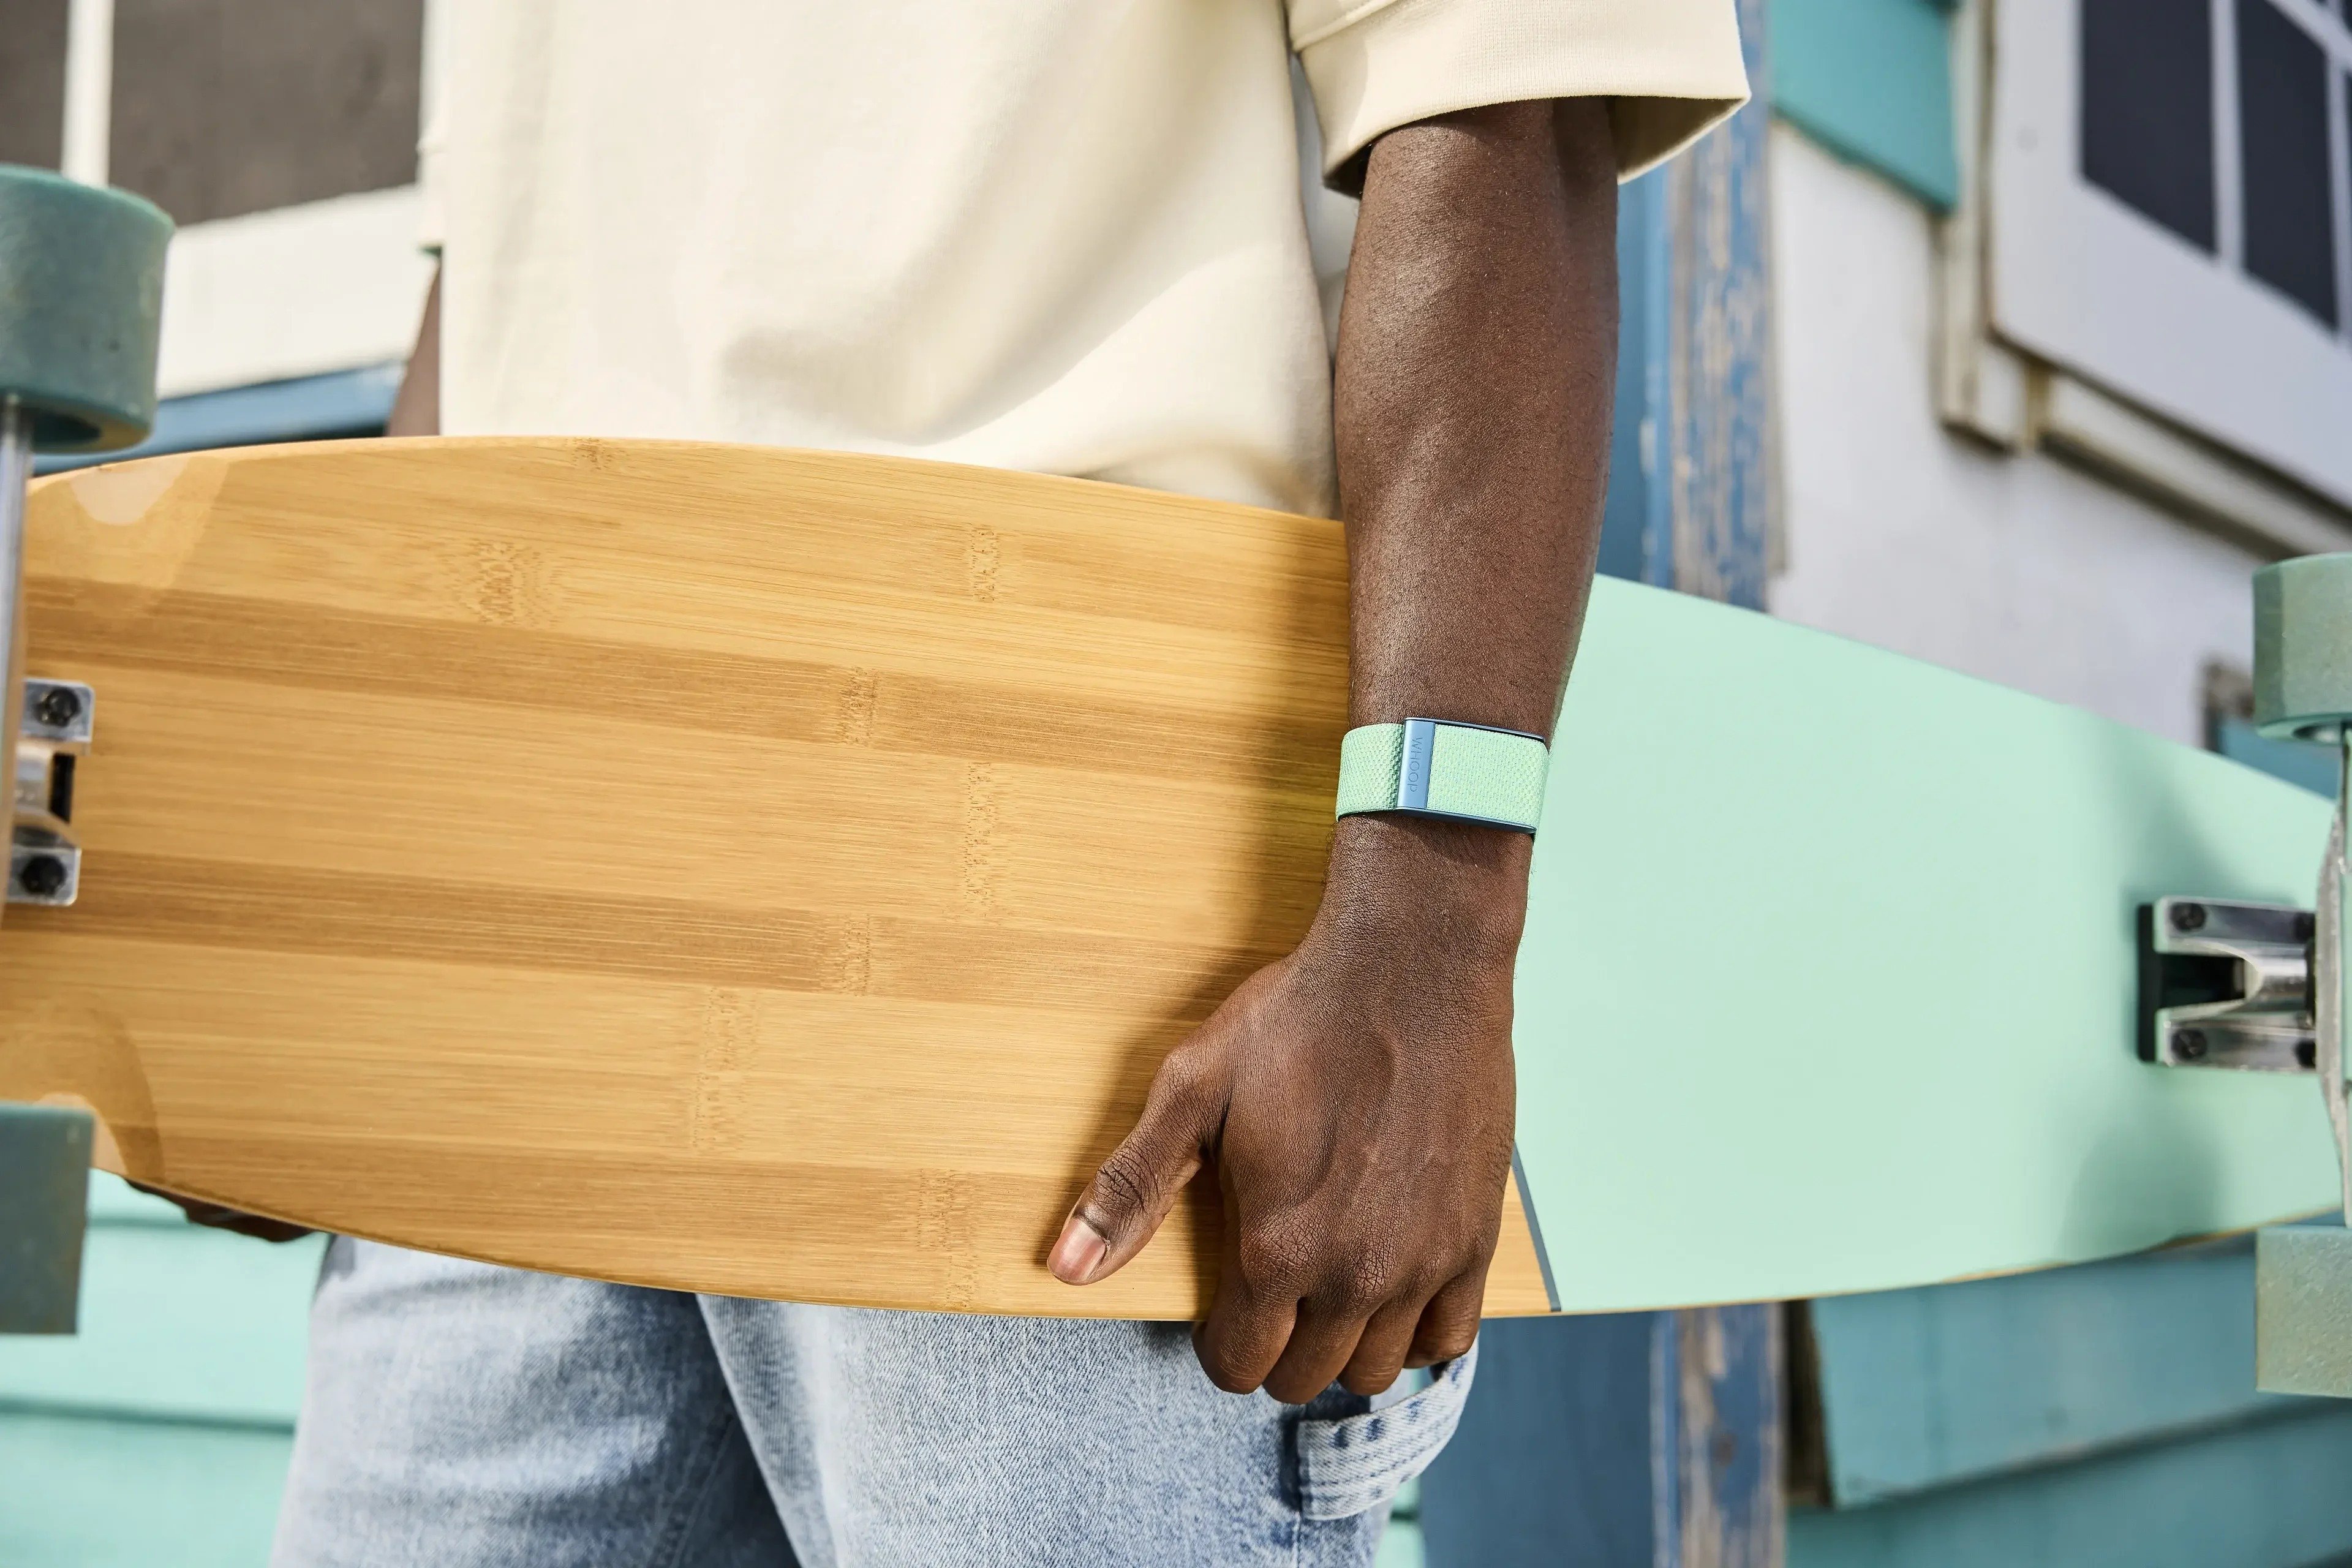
(460,1416)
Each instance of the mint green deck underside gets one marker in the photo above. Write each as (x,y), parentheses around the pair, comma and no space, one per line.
(1828,980)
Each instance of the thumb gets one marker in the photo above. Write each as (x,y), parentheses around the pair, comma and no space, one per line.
(1132,1193)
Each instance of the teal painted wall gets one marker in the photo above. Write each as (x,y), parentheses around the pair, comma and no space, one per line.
(160,1433)
(1871,80)
(2266,1496)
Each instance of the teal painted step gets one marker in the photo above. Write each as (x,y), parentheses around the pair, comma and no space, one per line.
(2297,761)
(1922,1389)
(82,1493)
(2271,1495)
(306,409)
(1871,80)
(113,1201)
(177,1322)
(160,1433)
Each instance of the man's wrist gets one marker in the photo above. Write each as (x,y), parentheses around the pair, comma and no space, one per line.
(1423,874)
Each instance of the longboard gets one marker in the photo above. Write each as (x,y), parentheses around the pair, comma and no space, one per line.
(778,873)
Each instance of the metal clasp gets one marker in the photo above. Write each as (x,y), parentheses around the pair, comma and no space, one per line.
(2226,985)
(53,733)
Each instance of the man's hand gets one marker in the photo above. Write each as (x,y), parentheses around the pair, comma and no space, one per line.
(1356,1096)
(216,1217)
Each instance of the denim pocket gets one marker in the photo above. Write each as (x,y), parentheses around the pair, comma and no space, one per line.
(1356,1463)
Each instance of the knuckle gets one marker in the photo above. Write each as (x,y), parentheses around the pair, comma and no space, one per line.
(1185,1074)
(1367,1284)
(1271,1264)
(1227,1373)
(1125,1187)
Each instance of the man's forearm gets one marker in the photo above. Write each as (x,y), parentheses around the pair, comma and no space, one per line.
(1477,352)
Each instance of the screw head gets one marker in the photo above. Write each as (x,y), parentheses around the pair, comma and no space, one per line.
(2188,917)
(58,707)
(41,875)
(2306,1053)
(2189,1044)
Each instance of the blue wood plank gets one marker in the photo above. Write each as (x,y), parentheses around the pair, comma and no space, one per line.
(78,1493)
(2271,1495)
(1714,455)
(1922,1389)
(1552,1461)
(1871,80)
(1720,1470)
(307,408)
(1637,523)
(178,1322)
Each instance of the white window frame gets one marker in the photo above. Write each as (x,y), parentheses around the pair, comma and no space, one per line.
(302,290)
(2213,410)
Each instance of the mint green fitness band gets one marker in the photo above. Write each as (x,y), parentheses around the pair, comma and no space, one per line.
(1430,767)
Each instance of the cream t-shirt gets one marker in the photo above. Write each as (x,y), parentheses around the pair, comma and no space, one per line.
(1064,236)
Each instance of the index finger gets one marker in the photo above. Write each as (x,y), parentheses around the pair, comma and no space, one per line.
(1248,1323)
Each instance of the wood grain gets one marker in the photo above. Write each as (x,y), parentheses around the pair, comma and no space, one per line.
(764,872)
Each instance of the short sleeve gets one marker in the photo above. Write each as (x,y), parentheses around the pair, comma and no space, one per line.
(1671,69)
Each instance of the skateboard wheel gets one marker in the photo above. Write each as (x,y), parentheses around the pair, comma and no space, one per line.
(81,297)
(2303,648)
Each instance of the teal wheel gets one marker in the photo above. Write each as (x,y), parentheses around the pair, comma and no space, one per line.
(81,297)
(2303,648)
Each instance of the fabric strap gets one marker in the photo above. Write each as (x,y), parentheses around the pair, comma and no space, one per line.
(1431,768)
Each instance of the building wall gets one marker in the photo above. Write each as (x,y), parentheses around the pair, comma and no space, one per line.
(1897,532)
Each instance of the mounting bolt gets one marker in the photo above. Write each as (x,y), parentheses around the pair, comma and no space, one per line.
(41,876)
(58,707)
(2189,1044)
(2188,917)
(2306,1053)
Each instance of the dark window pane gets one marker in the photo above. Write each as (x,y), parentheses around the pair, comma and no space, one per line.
(2148,110)
(2283,122)
(32,82)
(224,107)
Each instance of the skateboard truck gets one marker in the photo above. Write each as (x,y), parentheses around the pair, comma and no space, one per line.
(45,857)
(2226,985)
